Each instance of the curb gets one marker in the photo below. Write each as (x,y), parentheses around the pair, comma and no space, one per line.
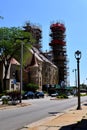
(39,122)
(42,121)
(2,107)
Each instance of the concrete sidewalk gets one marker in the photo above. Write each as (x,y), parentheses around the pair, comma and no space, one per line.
(69,120)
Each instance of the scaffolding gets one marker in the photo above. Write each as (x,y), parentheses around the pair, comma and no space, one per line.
(36,33)
(58,46)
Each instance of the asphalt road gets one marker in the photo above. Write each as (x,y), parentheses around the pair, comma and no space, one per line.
(16,118)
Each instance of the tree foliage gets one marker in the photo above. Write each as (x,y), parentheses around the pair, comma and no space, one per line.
(10,41)
(10,45)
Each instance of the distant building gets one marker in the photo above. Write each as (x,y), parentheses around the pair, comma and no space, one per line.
(42,71)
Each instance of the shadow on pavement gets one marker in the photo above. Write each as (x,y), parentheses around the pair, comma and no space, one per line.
(85,104)
(82,125)
(53,113)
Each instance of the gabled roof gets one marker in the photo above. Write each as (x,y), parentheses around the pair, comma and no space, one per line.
(41,57)
(33,63)
(36,55)
(14,61)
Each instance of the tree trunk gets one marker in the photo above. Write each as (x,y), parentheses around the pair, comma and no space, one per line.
(5,77)
(4,84)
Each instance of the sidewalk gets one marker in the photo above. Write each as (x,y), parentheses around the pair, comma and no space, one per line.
(69,120)
(23,104)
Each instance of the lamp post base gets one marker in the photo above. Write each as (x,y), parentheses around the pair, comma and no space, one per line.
(79,108)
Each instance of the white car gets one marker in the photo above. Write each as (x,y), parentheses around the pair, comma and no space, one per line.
(54,94)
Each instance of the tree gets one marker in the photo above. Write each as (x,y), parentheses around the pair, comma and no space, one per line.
(10,44)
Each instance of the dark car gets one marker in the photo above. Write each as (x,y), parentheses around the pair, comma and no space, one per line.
(39,94)
(28,95)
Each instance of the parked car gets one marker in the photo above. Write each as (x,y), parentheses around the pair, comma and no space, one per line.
(54,94)
(39,94)
(28,95)
(5,97)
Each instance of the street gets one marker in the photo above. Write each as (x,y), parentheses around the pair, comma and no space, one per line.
(15,118)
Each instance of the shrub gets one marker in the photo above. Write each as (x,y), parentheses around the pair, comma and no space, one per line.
(31,87)
(63,96)
(5,99)
(15,95)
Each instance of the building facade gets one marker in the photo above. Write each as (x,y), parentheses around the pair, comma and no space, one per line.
(43,72)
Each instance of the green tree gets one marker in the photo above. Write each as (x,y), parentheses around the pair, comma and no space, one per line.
(10,44)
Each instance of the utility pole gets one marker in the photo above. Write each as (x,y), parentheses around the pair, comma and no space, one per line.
(21,72)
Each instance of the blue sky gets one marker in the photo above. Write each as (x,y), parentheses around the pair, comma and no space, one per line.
(73,13)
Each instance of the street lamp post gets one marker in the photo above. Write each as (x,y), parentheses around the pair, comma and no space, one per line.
(78,57)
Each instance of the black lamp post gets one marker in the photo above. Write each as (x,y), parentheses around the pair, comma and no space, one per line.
(78,57)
